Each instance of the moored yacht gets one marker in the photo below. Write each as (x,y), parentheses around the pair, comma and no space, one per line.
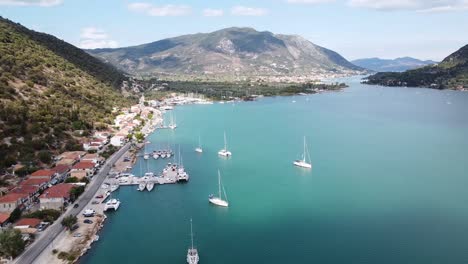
(192,252)
(225,152)
(199,148)
(112,204)
(218,200)
(303,162)
(150,186)
(142,186)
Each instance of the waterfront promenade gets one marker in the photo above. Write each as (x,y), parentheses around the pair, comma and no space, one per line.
(45,239)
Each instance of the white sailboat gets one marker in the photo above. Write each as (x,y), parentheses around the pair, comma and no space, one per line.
(219,200)
(150,186)
(192,253)
(173,124)
(224,152)
(303,163)
(199,148)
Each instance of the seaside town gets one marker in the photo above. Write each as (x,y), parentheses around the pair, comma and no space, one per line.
(49,204)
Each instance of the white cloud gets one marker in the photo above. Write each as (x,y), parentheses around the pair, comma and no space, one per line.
(166,10)
(413,5)
(213,12)
(248,11)
(309,1)
(95,38)
(44,3)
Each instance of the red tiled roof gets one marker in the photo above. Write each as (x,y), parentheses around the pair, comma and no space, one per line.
(34,181)
(83,165)
(39,173)
(90,156)
(58,191)
(25,189)
(61,168)
(4,217)
(12,197)
(32,222)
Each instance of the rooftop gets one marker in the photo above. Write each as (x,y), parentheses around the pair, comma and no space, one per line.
(61,168)
(83,165)
(4,217)
(31,222)
(34,181)
(58,191)
(41,173)
(12,197)
(25,189)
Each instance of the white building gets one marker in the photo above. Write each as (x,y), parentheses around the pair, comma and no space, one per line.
(118,141)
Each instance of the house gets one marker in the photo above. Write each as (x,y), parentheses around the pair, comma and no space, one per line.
(44,174)
(30,190)
(28,225)
(56,197)
(94,158)
(11,201)
(62,171)
(37,182)
(4,217)
(83,166)
(95,144)
(118,140)
(71,155)
(66,162)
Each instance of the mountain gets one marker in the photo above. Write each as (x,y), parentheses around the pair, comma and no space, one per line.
(228,52)
(451,73)
(395,65)
(45,95)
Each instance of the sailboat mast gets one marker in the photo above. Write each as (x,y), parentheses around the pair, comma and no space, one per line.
(303,155)
(225,144)
(191,231)
(219,184)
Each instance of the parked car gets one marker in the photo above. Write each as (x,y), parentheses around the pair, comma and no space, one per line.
(95,202)
(75,227)
(100,196)
(42,226)
(77,235)
(76,205)
(87,221)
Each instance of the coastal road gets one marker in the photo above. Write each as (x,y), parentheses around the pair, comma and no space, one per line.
(48,235)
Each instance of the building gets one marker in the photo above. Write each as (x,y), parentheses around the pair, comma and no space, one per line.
(44,174)
(94,158)
(118,140)
(83,166)
(40,183)
(62,171)
(4,217)
(11,201)
(28,225)
(95,144)
(56,197)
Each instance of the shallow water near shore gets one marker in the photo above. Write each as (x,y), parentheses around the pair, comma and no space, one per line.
(388,183)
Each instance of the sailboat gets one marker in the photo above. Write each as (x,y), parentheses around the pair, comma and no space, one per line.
(218,200)
(192,253)
(303,163)
(224,152)
(172,125)
(199,148)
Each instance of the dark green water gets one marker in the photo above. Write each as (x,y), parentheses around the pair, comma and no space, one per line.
(388,185)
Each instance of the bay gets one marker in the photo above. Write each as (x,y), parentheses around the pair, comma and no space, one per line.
(388,183)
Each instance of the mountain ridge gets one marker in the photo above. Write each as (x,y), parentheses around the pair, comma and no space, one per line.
(391,65)
(230,51)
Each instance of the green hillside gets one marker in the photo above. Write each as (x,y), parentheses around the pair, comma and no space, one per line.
(44,97)
(451,73)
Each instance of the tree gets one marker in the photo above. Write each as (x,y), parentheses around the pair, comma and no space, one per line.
(15,215)
(11,243)
(45,156)
(71,180)
(75,192)
(69,221)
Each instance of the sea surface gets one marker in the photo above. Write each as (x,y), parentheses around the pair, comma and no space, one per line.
(389,183)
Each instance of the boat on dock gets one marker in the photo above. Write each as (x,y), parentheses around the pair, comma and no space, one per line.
(303,163)
(218,200)
(112,204)
(114,187)
(146,156)
(155,155)
(150,186)
(141,186)
(192,252)
(225,152)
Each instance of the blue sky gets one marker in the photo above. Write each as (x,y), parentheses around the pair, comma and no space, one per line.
(425,29)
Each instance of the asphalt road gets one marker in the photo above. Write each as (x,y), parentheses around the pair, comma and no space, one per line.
(48,235)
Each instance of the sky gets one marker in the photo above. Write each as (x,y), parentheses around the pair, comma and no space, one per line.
(424,29)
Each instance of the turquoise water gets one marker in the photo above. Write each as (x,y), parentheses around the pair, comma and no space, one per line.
(388,184)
